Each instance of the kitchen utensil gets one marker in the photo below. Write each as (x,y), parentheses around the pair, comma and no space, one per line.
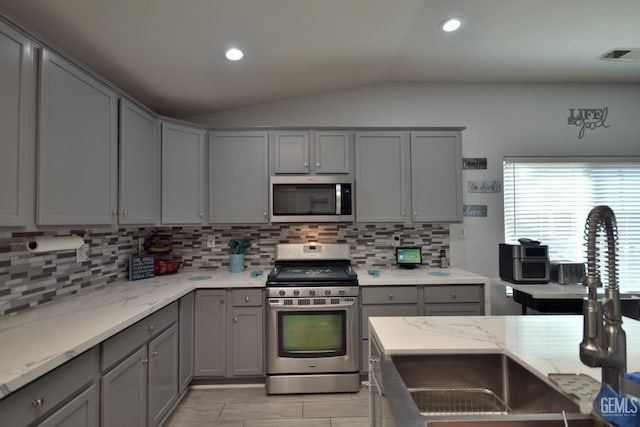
(233,244)
(244,245)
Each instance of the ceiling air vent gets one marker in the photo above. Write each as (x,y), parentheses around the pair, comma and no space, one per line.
(626,55)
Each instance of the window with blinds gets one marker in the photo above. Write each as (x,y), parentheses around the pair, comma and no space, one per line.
(548,199)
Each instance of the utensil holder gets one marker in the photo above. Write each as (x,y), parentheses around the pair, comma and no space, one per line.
(236,263)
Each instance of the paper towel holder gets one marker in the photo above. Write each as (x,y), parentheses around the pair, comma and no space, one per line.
(54,243)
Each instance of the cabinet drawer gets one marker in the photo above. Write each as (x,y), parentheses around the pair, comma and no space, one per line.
(462,309)
(386,310)
(125,342)
(452,294)
(390,295)
(248,297)
(44,394)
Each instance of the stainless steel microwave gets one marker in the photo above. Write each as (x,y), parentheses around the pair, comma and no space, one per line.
(313,198)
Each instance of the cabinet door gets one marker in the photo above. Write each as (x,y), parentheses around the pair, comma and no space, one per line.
(77,146)
(211,326)
(436,176)
(163,374)
(138,170)
(82,411)
(183,174)
(332,152)
(124,392)
(247,334)
(291,152)
(381,176)
(16,102)
(238,177)
(186,337)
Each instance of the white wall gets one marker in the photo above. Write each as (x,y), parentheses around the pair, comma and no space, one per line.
(500,119)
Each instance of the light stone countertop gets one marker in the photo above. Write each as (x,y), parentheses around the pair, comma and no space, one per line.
(547,344)
(422,275)
(37,341)
(557,291)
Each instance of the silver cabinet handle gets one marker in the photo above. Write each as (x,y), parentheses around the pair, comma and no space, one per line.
(318,164)
(264,214)
(150,328)
(403,213)
(154,354)
(115,212)
(37,403)
(305,164)
(145,361)
(235,319)
(246,299)
(125,213)
(453,295)
(221,300)
(201,215)
(415,213)
(390,296)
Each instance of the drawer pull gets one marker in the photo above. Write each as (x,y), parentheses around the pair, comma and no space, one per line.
(246,299)
(235,319)
(150,328)
(154,354)
(221,300)
(391,296)
(37,403)
(453,295)
(145,361)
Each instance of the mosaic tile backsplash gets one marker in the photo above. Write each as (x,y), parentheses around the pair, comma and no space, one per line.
(29,280)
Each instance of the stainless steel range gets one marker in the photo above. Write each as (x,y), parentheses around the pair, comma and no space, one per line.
(312,320)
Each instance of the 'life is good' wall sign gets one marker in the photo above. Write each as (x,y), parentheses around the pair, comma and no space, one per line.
(588,118)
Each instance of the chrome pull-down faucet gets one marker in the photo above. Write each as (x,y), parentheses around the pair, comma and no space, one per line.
(604,342)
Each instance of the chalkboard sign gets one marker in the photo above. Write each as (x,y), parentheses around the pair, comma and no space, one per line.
(141,267)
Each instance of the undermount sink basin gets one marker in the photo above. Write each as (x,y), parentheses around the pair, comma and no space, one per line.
(484,390)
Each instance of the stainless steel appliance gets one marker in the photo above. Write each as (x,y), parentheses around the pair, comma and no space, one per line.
(311,199)
(524,263)
(312,321)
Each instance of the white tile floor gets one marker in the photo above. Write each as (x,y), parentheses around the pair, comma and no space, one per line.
(252,407)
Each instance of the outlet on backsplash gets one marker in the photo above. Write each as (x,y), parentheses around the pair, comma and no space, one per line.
(211,242)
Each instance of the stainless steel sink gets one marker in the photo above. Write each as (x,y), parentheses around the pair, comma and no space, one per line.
(483,390)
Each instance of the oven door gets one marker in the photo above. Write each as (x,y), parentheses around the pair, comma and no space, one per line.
(304,339)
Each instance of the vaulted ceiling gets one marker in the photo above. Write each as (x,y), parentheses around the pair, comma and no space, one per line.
(169,54)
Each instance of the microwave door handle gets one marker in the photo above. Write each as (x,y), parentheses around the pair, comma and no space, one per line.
(338,199)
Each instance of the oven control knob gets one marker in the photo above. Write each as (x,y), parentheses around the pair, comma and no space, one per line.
(296,292)
(327,292)
(312,292)
(342,292)
(281,292)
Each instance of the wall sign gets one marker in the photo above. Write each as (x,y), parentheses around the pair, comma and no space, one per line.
(474,163)
(484,186)
(141,267)
(474,210)
(588,118)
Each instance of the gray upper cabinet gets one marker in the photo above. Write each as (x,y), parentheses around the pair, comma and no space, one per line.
(77,146)
(138,165)
(291,154)
(332,152)
(318,152)
(16,103)
(238,177)
(183,174)
(436,176)
(381,176)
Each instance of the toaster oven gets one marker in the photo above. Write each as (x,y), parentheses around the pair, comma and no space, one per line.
(524,263)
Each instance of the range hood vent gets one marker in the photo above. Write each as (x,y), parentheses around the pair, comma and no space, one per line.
(622,55)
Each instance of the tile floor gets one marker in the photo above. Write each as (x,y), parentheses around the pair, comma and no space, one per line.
(252,407)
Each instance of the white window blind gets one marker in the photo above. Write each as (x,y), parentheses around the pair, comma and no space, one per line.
(549,200)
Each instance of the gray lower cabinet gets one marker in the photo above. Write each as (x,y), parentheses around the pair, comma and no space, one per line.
(186,337)
(229,333)
(140,371)
(17,86)
(77,146)
(238,177)
(66,396)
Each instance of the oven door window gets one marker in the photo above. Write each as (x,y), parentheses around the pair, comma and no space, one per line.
(312,333)
(304,199)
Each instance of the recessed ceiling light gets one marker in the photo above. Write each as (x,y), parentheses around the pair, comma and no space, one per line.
(451,24)
(234,54)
